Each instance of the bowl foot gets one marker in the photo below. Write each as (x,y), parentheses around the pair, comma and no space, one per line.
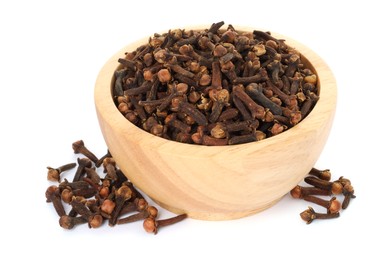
(218,214)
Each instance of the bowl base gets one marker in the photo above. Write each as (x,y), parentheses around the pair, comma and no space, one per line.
(218,215)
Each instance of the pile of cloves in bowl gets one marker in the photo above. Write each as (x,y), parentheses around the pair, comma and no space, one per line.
(215,87)
(94,199)
(322,186)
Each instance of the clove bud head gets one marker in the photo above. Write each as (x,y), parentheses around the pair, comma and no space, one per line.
(66,222)
(296,192)
(53,174)
(308,215)
(77,146)
(152,211)
(337,188)
(50,192)
(150,225)
(334,206)
(95,221)
(124,191)
(107,206)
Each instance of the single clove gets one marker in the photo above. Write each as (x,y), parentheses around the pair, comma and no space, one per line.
(152,225)
(123,194)
(148,212)
(79,147)
(255,91)
(335,187)
(53,195)
(68,222)
(348,192)
(332,205)
(53,174)
(321,174)
(256,110)
(309,215)
(94,220)
(82,164)
(110,168)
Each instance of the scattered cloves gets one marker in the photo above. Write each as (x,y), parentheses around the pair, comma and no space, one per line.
(320,179)
(300,192)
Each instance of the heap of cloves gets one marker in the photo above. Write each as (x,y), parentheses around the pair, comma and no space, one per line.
(95,199)
(112,198)
(321,185)
(214,86)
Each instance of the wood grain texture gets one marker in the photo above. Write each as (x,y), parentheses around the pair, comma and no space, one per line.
(216,183)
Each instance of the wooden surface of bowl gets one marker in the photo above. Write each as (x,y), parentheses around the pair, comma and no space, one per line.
(224,182)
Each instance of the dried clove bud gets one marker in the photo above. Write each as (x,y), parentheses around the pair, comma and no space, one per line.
(123,194)
(68,222)
(321,174)
(309,215)
(148,212)
(79,147)
(335,187)
(53,174)
(299,192)
(152,226)
(53,195)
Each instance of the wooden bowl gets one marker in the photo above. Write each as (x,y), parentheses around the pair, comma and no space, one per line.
(217,183)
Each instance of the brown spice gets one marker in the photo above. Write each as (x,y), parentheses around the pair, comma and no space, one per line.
(309,215)
(94,200)
(152,225)
(53,174)
(322,186)
(251,73)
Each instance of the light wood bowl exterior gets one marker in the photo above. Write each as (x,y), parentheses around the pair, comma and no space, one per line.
(216,183)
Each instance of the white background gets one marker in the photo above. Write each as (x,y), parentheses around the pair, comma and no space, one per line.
(50,55)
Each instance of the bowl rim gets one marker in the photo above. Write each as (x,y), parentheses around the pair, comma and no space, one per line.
(104,102)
